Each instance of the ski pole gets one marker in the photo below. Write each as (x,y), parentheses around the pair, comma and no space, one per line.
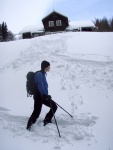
(55,119)
(64,109)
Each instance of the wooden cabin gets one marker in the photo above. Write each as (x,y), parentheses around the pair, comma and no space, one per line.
(55,22)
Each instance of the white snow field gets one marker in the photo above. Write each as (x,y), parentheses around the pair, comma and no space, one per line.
(80,80)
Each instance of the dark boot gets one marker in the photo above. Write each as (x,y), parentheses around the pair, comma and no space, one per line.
(46,121)
(29,124)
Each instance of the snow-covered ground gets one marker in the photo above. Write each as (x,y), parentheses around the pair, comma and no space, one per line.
(80,80)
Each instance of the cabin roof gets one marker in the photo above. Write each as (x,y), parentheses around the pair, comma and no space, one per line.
(79,24)
(32,28)
(56,13)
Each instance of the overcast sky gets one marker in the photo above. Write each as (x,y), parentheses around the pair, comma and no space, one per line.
(20,13)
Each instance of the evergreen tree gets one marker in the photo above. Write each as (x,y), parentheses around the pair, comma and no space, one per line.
(0,29)
(0,32)
(4,31)
(5,35)
(103,24)
(3,28)
(97,24)
(111,24)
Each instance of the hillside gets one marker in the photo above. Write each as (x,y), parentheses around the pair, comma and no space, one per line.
(80,80)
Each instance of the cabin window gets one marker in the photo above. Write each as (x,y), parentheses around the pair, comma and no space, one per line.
(51,23)
(58,23)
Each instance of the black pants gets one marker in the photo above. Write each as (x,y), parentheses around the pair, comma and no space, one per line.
(38,101)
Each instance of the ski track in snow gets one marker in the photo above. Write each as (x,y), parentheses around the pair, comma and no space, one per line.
(73,74)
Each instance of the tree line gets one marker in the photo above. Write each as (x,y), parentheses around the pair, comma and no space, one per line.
(5,34)
(104,24)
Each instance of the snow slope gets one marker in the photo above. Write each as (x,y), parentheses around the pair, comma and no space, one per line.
(80,80)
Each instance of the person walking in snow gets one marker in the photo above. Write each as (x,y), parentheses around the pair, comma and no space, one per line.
(41,97)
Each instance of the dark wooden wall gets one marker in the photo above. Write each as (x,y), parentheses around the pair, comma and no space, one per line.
(54,17)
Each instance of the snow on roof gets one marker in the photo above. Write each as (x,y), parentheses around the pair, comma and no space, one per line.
(53,12)
(79,24)
(32,28)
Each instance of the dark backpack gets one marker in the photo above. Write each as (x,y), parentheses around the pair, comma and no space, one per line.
(30,83)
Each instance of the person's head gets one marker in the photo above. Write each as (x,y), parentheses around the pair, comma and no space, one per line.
(45,66)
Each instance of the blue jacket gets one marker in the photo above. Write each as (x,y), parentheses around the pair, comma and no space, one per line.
(41,82)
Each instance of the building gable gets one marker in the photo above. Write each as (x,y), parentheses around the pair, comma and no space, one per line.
(55,22)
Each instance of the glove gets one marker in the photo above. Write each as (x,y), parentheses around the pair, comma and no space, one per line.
(49,96)
(46,97)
